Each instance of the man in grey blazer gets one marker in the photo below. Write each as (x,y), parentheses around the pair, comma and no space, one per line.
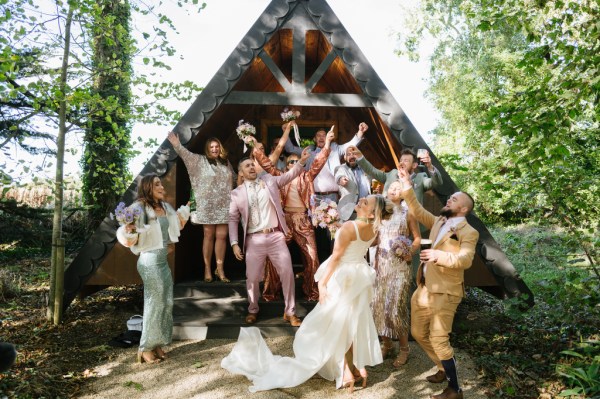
(352,181)
(421,181)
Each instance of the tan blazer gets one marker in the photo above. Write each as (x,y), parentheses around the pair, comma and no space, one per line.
(446,276)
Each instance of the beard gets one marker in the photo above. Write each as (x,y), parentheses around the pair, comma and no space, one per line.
(446,212)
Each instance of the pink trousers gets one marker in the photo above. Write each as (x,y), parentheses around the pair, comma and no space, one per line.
(258,247)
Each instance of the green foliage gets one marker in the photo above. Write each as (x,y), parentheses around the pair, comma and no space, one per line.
(107,137)
(582,375)
(518,89)
(519,352)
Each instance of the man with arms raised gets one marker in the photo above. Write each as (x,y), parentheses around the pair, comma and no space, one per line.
(257,204)
(440,280)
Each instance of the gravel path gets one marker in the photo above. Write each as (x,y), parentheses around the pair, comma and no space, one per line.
(193,371)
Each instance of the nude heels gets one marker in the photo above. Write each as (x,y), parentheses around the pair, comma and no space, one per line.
(147,357)
(160,353)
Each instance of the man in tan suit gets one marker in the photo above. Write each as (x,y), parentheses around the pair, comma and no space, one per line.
(440,280)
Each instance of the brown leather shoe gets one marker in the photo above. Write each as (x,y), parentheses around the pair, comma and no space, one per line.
(437,378)
(251,318)
(293,320)
(449,393)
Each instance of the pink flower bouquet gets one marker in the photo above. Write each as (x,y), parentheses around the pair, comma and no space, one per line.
(326,215)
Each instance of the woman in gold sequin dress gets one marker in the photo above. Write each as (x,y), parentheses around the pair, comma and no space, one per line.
(212,180)
(394,276)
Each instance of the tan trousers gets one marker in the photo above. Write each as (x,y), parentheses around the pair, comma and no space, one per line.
(431,318)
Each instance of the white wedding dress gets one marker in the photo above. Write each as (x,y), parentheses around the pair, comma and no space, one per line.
(325,334)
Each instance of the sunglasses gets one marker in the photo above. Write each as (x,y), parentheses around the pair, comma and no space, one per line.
(292,161)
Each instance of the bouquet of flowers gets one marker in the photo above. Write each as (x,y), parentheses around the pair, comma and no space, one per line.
(400,247)
(125,215)
(326,215)
(244,131)
(291,115)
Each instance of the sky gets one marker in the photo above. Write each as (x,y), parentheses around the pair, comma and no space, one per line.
(206,39)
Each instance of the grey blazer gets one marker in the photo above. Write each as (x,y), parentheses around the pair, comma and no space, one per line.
(421,181)
(352,186)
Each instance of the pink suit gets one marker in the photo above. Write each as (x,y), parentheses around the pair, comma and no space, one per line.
(258,246)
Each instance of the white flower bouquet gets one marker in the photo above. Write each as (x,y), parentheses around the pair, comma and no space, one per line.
(291,115)
(326,215)
(244,131)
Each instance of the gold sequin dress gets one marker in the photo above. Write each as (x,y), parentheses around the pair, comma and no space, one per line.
(212,183)
(393,279)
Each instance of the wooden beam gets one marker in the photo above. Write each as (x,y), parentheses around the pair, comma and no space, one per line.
(300,99)
(298,60)
(314,79)
(268,61)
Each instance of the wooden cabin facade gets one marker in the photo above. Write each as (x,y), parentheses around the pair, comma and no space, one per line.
(297,54)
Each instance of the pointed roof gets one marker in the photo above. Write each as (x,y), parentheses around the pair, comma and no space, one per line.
(298,53)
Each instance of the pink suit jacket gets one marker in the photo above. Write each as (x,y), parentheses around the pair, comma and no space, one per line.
(238,207)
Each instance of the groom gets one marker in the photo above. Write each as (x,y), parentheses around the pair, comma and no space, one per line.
(257,203)
(440,280)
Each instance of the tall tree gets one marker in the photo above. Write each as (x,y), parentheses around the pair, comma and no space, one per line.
(518,88)
(107,136)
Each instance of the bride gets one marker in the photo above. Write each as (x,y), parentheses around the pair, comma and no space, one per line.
(337,339)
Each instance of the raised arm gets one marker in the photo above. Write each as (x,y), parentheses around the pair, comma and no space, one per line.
(356,140)
(190,159)
(368,168)
(274,156)
(295,171)
(434,177)
(422,215)
(415,232)
(265,162)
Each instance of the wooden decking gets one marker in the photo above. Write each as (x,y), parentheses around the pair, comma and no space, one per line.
(218,310)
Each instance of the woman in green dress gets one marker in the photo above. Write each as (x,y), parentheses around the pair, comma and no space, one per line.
(148,236)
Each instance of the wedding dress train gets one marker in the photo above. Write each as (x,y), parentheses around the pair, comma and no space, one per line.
(325,335)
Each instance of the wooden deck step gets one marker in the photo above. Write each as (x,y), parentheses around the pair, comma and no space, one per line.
(217,310)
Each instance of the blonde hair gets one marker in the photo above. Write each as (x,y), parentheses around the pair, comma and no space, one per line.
(379,210)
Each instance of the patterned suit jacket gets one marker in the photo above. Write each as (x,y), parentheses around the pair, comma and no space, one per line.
(239,210)
(447,275)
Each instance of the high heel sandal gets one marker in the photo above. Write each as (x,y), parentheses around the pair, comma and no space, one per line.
(402,357)
(160,353)
(147,357)
(221,273)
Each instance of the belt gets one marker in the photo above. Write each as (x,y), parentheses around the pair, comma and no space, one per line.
(327,192)
(265,231)
(294,209)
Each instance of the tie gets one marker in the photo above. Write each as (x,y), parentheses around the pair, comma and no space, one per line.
(254,211)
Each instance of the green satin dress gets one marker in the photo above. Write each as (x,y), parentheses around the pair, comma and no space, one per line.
(157,327)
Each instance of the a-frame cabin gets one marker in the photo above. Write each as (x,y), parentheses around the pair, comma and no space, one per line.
(296,54)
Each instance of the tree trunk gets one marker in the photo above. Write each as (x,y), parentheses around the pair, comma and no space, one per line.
(58,243)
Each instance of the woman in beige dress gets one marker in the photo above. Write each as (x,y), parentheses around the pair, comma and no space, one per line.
(212,177)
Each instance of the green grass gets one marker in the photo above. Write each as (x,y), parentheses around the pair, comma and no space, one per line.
(521,353)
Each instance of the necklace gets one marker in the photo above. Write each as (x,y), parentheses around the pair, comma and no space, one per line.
(364,220)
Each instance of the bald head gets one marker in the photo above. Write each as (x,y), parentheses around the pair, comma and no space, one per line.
(459,204)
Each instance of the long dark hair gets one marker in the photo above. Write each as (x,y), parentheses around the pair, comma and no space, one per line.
(145,191)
